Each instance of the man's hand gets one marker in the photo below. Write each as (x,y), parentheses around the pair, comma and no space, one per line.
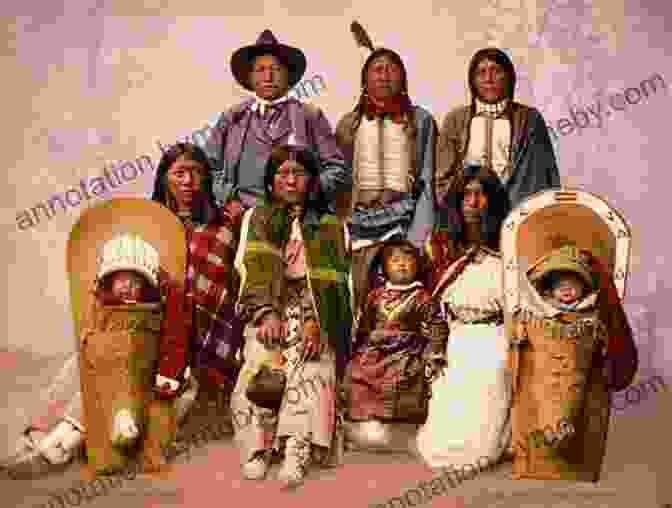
(311,337)
(272,327)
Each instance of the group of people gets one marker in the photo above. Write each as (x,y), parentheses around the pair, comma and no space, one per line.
(367,257)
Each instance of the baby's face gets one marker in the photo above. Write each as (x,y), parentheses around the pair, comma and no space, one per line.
(401,267)
(128,286)
(568,289)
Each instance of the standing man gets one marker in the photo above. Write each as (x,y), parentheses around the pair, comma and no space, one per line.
(240,144)
(494,131)
(390,144)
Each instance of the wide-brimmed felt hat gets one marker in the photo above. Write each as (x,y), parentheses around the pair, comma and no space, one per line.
(267,44)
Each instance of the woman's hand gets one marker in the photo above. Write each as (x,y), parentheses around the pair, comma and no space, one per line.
(311,337)
(233,211)
(272,327)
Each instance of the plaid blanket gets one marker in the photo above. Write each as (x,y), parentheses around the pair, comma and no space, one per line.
(212,285)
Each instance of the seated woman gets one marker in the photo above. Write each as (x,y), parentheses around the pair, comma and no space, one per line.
(400,331)
(295,303)
(183,184)
(470,406)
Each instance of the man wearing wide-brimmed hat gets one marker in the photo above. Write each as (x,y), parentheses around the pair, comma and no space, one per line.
(508,137)
(241,142)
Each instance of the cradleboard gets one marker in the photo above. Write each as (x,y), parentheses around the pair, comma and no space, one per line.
(119,343)
(560,410)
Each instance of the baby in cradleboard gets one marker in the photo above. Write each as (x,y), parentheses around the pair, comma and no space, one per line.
(560,410)
(564,290)
(125,336)
(125,287)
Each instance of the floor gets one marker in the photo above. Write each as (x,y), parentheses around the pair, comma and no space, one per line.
(636,471)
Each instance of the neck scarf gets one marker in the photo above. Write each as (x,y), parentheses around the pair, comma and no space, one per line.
(295,260)
(567,306)
(394,106)
(262,105)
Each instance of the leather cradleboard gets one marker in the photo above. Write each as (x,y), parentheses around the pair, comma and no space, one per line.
(117,360)
(557,370)
(119,344)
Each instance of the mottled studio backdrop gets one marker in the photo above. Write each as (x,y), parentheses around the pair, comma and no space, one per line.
(88,85)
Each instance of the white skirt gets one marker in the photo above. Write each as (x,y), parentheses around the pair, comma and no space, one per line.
(469,412)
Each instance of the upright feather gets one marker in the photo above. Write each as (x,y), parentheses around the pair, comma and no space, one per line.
(361,37)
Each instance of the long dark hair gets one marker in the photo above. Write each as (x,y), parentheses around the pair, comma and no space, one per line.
(451,218)
(304,156)
(499,57)
(204,209)
(360,108)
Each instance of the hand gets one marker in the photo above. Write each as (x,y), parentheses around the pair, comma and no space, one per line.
(434,369)
(166,388)
(165,392)
(311,337)
(272,327)
(233,211)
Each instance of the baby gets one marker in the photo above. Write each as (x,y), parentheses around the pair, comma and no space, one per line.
(128,274)
(126,286)
(564,289)
(560,362)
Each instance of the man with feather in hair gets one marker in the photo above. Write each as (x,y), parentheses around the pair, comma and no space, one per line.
(390,145)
